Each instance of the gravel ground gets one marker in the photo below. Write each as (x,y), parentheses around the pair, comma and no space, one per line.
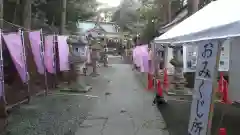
(55,114)
(118,104)
(51,115)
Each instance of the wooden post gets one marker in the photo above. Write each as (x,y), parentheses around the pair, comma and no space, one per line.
(3,112)
(25,64)
(42,48)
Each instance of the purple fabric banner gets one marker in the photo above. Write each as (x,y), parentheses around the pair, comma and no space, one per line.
(14,45)
(144,58)
(141,57)
(35,41)
(63,53)
(49,55)
(136,57)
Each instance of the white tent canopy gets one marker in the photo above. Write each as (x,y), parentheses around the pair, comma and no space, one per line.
(219,19)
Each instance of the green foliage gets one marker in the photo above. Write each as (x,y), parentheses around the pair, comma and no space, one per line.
(49,11)
(154,12)
(126,13)
(76,10)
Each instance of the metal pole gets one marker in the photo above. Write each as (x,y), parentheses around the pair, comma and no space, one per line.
(42,49)
(25,63)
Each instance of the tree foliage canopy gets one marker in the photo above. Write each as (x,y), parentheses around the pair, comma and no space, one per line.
(152,13)
(155,13)
(48,12)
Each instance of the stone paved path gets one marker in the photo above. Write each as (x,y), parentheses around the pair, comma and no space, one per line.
(124,108)
(117,105)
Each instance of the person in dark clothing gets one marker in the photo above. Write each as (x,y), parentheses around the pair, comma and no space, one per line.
(121,50)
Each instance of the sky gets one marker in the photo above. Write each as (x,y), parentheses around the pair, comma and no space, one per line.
(110,3)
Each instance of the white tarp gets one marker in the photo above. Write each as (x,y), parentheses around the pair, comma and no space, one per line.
(218,19)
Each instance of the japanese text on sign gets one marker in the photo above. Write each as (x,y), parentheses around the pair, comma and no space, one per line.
(200,108)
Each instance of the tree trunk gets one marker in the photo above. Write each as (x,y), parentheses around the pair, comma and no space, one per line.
(192,6)
(26,22)
(167,11)
(195,5)
(63,16)
(27,11)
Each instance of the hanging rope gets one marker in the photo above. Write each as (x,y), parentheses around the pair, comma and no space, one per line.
(18,26)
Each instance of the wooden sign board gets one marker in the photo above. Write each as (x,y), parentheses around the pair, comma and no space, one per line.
(202,104)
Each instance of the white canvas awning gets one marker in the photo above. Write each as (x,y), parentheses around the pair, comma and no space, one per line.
(219,19)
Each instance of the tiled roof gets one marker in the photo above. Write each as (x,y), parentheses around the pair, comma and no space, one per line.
(108,27)
(85,26)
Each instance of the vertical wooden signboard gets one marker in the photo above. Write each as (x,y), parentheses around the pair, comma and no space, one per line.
(202,104)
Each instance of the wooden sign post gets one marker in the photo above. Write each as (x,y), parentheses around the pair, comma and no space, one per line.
(203,96)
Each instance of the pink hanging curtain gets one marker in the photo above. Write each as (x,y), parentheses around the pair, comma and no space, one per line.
(49,55)
(144,58)
(35,41)
(63,53)
(14,44)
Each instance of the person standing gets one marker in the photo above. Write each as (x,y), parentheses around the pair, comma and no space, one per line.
(121,51)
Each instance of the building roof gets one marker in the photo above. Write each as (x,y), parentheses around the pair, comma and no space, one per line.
(86,26)
(109,27)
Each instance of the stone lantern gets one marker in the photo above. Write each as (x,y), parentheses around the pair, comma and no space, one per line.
(178,78)
(75,62)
